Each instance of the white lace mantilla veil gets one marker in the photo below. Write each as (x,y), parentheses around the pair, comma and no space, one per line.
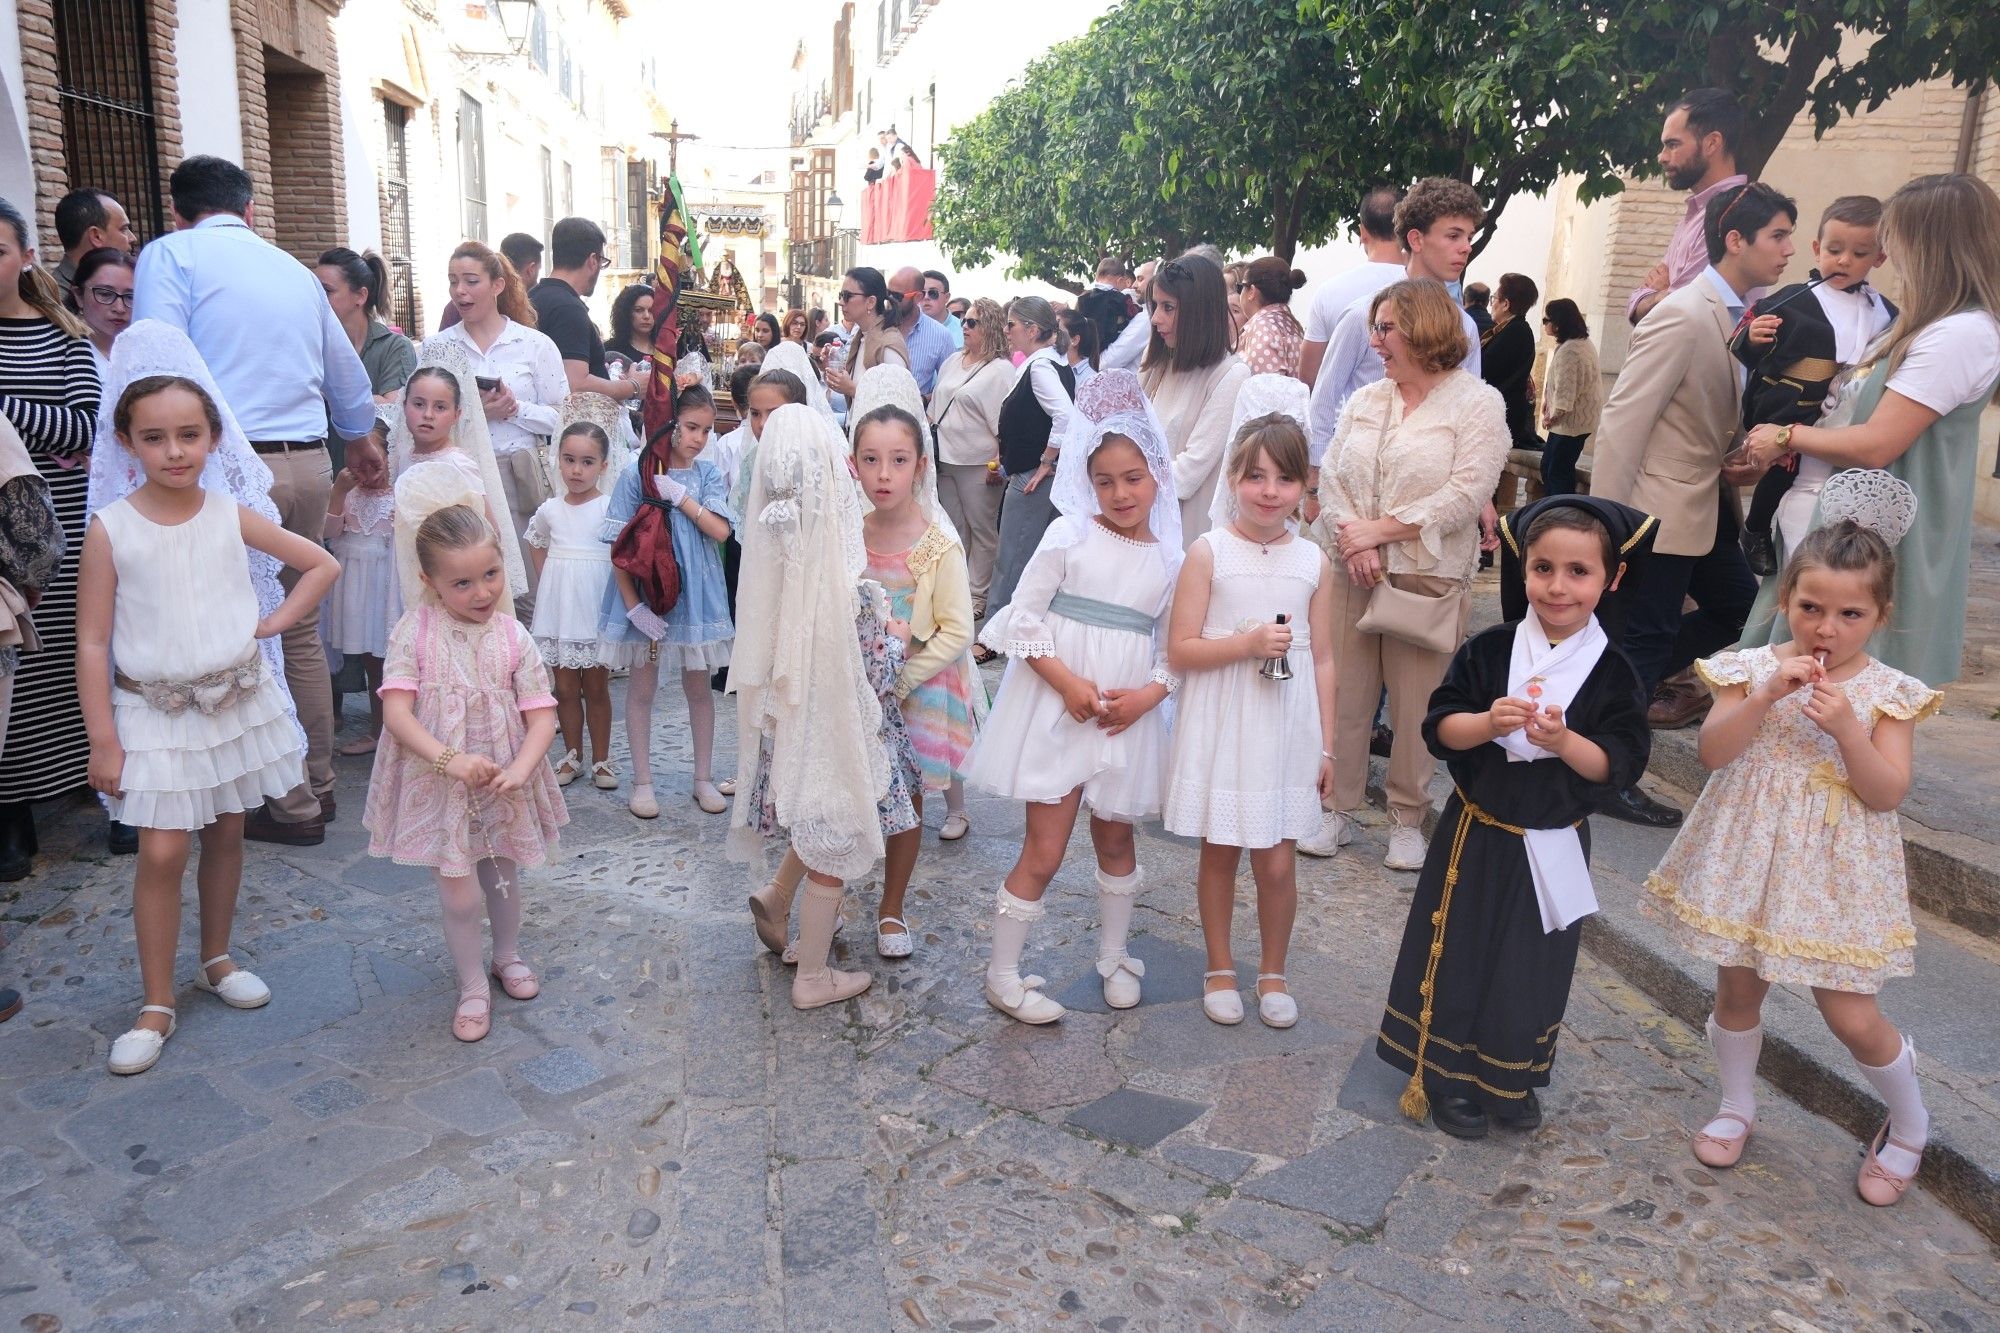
(796,664)
(609,417)
(153,347)
(1113,403)
(1260,396)
(424,487)
(890,385)
(792,357)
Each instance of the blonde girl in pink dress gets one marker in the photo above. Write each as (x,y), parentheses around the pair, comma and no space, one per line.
(462,782)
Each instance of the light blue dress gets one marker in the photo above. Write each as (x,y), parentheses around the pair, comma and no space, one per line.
(699,629)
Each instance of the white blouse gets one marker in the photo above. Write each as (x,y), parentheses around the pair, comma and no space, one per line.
(526,361)
(1433,469)
(965,408)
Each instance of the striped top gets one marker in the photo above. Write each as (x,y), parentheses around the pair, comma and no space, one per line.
(49,390)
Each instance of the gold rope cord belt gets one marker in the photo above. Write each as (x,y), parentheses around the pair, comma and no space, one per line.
(1415,1102)
(207,694)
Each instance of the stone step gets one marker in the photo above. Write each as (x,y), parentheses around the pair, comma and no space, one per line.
(1946,1009)
(1951,820)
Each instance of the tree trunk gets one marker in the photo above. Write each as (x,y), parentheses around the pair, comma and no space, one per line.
(1767,120)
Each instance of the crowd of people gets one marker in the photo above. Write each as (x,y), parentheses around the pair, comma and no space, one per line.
(227,486)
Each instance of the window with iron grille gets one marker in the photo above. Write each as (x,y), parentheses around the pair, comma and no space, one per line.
(569,191)
(396,216)
(472,163)
(638,189)
(614,208)
(104,83)
(548,188)
(538,40)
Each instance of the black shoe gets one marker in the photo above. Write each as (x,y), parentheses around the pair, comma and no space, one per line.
(1381,741)
(1460,1117)
(1635,807)
(124,839)
(10,1004)
(1523,1115)
(1760,553)
(17,841)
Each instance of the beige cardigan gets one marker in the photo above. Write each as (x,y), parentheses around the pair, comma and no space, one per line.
(1573,389)
(1195,408)
(940,609)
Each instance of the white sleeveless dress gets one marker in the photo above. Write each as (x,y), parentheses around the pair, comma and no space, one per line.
(1245,761)
(185,609)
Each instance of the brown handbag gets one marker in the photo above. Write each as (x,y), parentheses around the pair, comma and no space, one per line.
(1418,619)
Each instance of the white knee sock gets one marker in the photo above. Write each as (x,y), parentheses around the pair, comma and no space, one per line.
(818,915)
(1736,1060)
(1011,918)
(1116,896)
(1909,1122)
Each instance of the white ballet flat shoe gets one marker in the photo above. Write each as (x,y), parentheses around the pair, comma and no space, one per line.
(1121,980)
(239,990)
(603,776)
(139,1050)
(1027,1003)
(567,768)
(1277,1008)
(1222,1006)
(900,944)
(709,798)
(956,825)
(828,986)
(642,802)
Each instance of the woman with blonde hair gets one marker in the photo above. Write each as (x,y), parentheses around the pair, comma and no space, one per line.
(965,416)
(1911,407)
(1413,461)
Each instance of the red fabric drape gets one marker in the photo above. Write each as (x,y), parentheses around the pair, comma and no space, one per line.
(899,207)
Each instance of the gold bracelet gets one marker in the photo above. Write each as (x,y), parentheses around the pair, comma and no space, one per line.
(443,761)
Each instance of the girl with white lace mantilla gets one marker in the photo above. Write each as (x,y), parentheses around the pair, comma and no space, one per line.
(1078,720)
(1256,702)
(360,527)
(572,575)
(1790,866)
(822,756)
(189,728)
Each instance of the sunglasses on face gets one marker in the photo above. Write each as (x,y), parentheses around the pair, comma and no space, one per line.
(969,323)
(934,293)
(852,296)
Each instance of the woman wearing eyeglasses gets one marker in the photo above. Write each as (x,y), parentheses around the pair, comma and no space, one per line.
(102,295)
(865,303)
(1192,378)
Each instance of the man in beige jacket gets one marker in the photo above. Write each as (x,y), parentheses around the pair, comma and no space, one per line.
(1672,417)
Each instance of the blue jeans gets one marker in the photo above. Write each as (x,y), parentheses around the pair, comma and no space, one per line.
(1559,457)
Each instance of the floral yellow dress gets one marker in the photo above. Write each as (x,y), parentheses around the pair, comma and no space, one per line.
(1779,866)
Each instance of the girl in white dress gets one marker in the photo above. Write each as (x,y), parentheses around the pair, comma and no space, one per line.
(360,522)
(1078,719)
(190,728)
(572,571)
(1253,595)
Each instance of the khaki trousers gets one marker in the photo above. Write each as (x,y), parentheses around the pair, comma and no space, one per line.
(510,484)
(974,509)
(301,484)
(1363,664)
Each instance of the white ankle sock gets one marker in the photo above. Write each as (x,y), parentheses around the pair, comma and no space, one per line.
(1011,918)
(1116,896)
(1908,1120)
(1736,1059)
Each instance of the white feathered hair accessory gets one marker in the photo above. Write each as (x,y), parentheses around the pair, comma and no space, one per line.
(1872,498)
(1260,396)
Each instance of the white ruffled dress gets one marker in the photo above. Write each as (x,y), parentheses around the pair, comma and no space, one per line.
(185,609)
(1030,748)
(356,617)
(575,574)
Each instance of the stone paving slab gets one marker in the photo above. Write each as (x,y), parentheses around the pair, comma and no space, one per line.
(662,1141)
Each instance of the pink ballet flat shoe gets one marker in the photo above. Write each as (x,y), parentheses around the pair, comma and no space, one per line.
(517,979)
(472,1023)
(1877,1184)
(1717,1151)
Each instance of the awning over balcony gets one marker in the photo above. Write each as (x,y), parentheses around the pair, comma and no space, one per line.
(898,208)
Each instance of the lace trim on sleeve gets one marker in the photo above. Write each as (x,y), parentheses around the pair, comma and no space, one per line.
(1161,676)
(1723,670)
(1913,701)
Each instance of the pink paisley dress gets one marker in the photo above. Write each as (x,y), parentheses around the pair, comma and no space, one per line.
(472,683)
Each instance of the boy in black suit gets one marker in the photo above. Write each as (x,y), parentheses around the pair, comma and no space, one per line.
(1798,338)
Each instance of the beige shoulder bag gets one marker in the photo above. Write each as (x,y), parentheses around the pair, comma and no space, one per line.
(1420,620)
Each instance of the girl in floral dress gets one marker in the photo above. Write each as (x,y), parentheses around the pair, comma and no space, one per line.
(461,781)
(1790,866)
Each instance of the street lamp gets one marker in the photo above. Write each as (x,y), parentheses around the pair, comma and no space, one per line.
(835,209)
(517,21)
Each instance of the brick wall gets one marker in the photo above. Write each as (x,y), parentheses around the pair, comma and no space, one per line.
(288,78)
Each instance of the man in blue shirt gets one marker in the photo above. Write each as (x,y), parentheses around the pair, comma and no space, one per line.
(261,321)
(929,343)
(937,304)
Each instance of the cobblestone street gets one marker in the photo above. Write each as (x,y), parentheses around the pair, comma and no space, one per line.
(660,1140)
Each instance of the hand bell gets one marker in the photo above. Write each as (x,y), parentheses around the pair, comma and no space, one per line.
(1277,668)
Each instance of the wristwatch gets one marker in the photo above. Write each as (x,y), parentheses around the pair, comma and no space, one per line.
(1784,437)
